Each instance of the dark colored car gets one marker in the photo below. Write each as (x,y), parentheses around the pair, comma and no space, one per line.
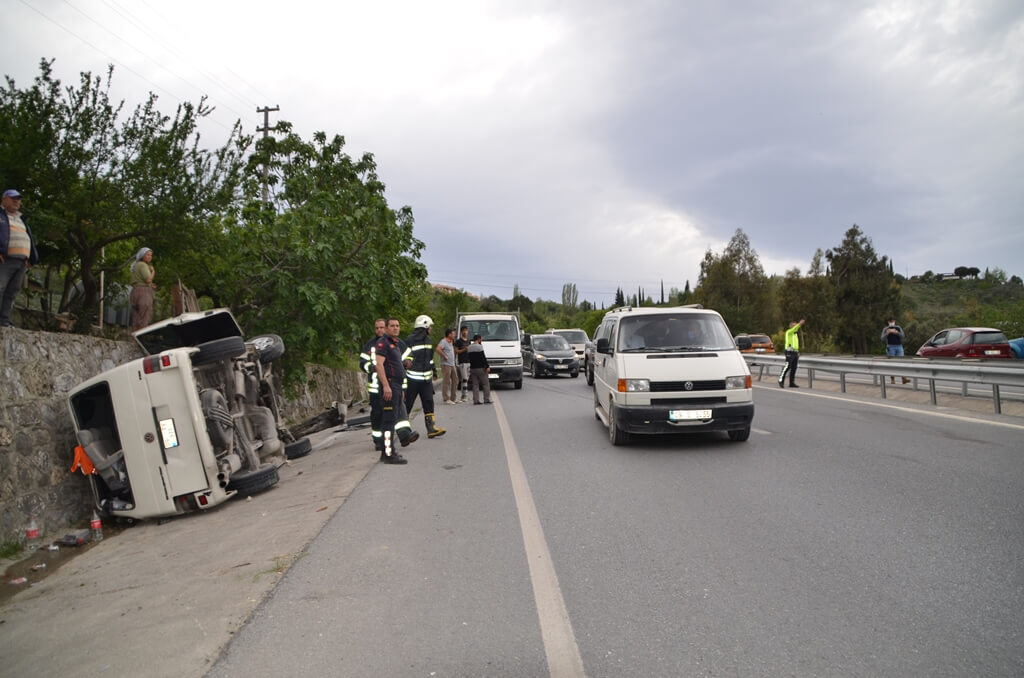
(754,343)
(549,354)
(967,342)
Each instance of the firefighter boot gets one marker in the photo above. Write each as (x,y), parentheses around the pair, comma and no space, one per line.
(433,430)
(407,436)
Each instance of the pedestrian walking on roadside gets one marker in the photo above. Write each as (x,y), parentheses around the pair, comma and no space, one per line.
(462,361)
(391,375)
(449,373)
(479,369)
(17,253)
(892,337)
(792,354)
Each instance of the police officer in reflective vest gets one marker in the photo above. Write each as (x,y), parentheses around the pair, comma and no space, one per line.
(420,373)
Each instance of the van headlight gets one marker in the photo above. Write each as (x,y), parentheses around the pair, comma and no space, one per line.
(738,382)
(634,385)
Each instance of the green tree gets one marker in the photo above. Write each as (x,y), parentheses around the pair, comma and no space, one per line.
(105,182)
(570,296)
(734,284)
(865,291)
(325,256)
(620,298)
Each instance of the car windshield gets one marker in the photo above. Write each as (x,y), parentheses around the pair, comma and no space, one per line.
(550,342)
(675,332)
(572,336)
(493,330)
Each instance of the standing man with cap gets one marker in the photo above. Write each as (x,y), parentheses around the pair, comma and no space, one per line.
(792,354)
(17,253)
(421,373)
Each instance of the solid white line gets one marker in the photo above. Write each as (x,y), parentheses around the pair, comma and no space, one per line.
(930,413)
(563,654)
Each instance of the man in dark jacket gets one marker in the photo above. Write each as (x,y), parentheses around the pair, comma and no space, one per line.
(479,369)
(17,253)
(421,373)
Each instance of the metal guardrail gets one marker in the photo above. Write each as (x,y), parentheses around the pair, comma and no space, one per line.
(994,373)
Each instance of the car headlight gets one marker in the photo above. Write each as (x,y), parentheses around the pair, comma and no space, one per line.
(634,385)
(541,356)
(738,382)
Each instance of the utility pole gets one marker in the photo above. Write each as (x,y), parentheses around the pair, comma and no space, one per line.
(266,129)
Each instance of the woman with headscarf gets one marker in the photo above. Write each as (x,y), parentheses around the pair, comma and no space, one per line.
(142,289)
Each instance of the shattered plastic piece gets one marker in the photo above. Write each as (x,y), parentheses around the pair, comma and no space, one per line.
(38,566)
(19,580)
(53,547)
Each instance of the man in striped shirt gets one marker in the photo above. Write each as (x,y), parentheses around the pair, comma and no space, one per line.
(17,253)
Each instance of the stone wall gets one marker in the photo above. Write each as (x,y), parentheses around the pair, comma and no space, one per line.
(37,371)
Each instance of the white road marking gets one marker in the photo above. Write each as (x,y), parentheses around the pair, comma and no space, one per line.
(563,654)
(889,406)
(761,431)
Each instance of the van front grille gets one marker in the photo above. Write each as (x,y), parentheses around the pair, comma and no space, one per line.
(710,385)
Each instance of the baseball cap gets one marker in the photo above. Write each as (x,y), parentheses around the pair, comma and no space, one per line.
(11,193)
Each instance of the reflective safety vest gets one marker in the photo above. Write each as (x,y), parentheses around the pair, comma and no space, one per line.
(368,364)
(421,352)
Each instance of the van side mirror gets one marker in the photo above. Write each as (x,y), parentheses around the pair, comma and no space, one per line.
(602,345)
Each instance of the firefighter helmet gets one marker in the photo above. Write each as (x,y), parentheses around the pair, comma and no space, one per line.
(424,321)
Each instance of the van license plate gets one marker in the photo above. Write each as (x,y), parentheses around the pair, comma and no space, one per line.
(688,415)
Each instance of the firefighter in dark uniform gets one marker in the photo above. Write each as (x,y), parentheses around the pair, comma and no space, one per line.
(420,373)
(368,363)
(390,374)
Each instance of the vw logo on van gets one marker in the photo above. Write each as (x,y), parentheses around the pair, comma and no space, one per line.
(688,386)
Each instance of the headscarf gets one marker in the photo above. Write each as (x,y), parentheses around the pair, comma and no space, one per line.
(141,253)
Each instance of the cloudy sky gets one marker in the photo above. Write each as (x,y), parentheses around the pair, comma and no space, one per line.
(608,143)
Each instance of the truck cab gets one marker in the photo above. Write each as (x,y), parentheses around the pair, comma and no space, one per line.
(500,335)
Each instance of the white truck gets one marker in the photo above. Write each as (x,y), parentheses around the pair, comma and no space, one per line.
(500,335)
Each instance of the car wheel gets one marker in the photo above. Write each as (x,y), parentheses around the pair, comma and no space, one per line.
(616,435)
(739,436)
(219,424)
(597,406)
(590,375)
(250,482)
(218,349)
(519,384)
(269,346)
(298,449)
(533,370)
(574,374)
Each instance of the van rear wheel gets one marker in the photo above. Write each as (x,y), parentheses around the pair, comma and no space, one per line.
(250,482)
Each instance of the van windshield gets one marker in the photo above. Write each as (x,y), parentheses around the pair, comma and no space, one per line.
(493,330)
(674,332)
(573,336)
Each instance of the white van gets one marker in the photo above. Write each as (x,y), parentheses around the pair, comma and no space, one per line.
(670,370)
(501,338)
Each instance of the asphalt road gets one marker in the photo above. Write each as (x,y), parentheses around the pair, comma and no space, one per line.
(845,538)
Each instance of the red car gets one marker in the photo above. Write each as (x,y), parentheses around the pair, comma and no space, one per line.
(967,342)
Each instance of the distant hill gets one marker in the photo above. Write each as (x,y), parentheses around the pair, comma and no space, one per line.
(932,306)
